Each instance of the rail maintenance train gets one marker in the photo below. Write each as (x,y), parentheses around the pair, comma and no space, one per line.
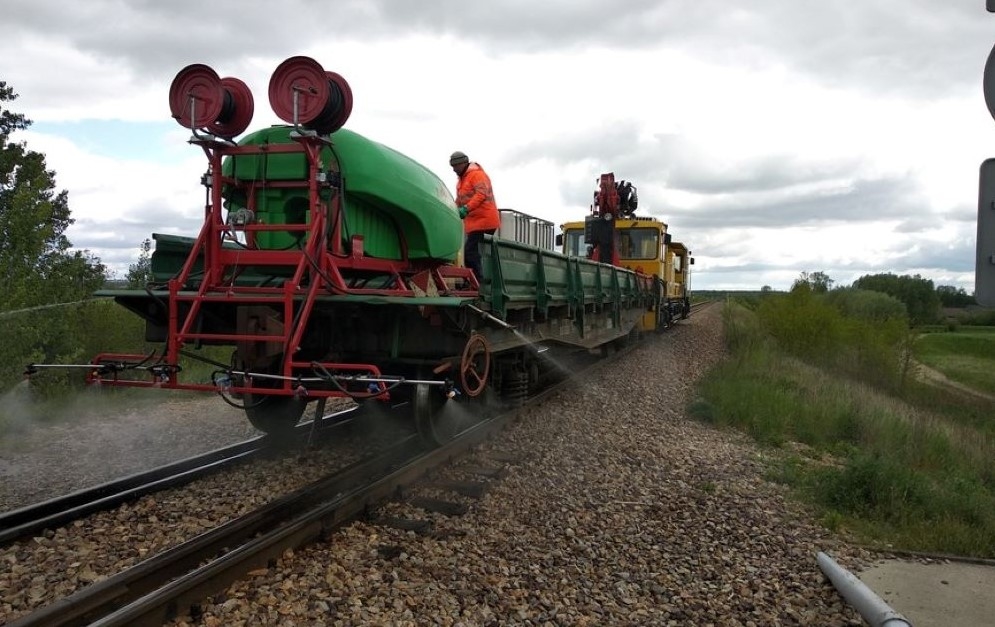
(330,264)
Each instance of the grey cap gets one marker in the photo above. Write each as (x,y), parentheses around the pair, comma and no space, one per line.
(457,158)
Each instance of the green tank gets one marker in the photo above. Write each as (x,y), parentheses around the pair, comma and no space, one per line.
(387,196)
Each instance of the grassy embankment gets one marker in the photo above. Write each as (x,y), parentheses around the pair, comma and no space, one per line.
(827,382)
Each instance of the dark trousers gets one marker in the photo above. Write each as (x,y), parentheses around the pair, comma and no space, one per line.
(471,251)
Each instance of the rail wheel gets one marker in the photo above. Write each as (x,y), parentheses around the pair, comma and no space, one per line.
(274,415)
(516,388)
(437,420)
(475,365)
(608,349)
(662,316)
(534,375)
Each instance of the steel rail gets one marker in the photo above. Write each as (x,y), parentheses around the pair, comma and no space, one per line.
(61,510)
(202,566)
(185,591)
(97,601)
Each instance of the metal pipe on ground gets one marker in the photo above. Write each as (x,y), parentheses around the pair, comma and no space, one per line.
(870,606)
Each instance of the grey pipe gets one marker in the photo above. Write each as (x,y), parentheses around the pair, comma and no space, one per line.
(488,316)
(870,606)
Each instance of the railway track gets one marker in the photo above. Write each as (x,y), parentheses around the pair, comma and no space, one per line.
(685,546)
(141,594)
(26,521)
(164,586)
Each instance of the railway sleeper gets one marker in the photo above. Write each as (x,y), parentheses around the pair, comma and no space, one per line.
(439,506)
(472,489)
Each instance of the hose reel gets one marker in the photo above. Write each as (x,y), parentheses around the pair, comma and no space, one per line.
(301,92)
(200,99)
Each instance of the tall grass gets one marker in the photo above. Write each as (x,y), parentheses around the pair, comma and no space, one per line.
(869,448)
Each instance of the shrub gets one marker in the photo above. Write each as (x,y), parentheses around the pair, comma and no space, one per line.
(65,335)
(979,318)
(859,333)
(868,305)
(802,324)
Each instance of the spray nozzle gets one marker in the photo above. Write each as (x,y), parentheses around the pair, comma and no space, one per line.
(162,372)
(108,367)
(223,382)
(300,392)
(450,390)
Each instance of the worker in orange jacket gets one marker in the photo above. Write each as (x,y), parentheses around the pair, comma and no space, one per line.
(477,208)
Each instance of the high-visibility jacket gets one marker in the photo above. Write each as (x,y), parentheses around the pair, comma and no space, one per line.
(474,191)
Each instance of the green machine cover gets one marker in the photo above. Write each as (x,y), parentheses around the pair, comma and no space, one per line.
(387,195)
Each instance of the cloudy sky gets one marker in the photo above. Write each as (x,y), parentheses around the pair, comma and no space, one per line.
(774,137)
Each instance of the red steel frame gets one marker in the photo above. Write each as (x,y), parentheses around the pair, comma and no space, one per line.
(323,264)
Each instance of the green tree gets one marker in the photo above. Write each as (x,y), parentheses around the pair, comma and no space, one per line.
(140,272)
(951,296)
(817,282)
(918,294)
(43,281)
(36,263)
(868,305)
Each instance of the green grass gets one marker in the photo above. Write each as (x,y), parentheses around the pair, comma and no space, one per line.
(966,356)
(913,467)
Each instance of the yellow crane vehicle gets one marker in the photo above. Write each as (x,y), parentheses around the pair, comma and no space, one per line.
(612,233)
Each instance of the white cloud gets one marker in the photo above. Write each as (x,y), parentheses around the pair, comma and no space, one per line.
(774,138)
(116,204)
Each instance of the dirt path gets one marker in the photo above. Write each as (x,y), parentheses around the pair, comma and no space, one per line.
(935,377)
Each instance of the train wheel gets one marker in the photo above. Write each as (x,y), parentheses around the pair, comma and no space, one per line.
(274,415)
(516,388)
(437,420)
(534,375)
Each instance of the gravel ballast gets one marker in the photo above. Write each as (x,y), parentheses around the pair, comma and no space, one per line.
(616,509)
(102,439)
(621,510)
(37,571)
